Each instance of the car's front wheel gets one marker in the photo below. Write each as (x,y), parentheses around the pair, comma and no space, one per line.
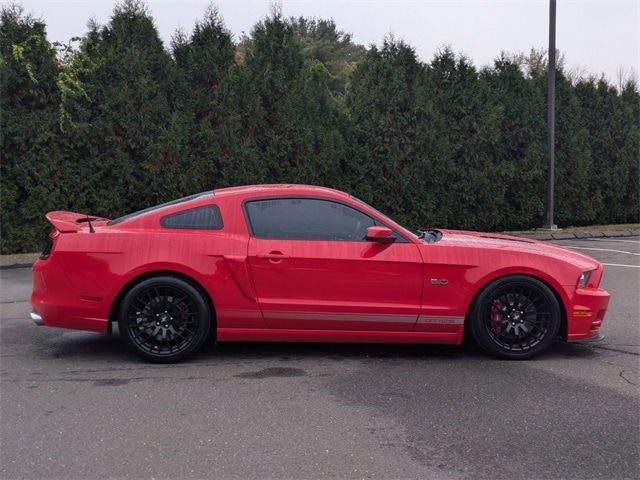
(515,317)
(164,319)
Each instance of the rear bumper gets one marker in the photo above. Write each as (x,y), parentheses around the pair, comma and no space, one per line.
(56,303)
(66,316)
(586,314)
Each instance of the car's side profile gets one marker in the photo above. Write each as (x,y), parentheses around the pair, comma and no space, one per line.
(308,264)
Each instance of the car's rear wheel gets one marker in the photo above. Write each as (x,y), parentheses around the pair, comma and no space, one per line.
(515,317)
(164,319)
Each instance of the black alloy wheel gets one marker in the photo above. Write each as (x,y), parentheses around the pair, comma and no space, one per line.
(164,319)
(515,317)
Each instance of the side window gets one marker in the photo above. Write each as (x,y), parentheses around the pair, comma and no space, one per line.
(306,219)
(200,218)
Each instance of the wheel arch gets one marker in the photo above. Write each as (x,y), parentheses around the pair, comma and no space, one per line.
(115,306)
(554,289)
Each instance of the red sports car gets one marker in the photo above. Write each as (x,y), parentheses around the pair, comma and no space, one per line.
(306,264)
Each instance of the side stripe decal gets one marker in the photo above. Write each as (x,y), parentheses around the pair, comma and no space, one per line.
(359,317)
(441,320)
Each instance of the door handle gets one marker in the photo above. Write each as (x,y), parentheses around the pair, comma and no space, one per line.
(274,256)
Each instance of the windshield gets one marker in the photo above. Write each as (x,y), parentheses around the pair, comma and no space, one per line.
(158,207)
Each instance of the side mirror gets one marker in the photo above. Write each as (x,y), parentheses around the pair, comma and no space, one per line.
(380,235)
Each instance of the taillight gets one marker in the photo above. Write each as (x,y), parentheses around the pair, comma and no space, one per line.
(46,248)
(47,245)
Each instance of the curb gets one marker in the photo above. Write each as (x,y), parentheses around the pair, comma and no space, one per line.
(11,266)
(560,235)
(20,260)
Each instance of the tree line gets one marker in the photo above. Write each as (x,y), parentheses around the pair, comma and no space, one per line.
(114,122)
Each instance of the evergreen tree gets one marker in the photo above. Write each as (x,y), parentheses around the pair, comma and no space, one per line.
(127,140)
(576,202)
(613,134)
(29,126)
(521,149)
(474,193)
(629,112)
(299,124)
(205,60)
(321,40)
(388,120)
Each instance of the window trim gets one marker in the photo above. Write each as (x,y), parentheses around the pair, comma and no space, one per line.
(199,207)
(399,237)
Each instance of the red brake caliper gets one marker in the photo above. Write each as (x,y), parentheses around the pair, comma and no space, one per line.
(496,316)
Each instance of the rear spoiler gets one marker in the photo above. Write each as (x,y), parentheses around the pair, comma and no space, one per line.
(70,221)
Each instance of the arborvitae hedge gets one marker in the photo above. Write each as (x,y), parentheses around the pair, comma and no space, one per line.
(120,123)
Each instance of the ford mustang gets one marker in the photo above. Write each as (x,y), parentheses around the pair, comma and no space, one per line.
(296,263)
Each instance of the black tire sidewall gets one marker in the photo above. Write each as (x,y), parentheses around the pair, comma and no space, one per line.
(478,328)
(203,315)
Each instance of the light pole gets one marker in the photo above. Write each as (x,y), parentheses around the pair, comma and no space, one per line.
(551,113)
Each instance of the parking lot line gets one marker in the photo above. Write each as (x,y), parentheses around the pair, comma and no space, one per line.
(620,265)
(603,250)
(637,242)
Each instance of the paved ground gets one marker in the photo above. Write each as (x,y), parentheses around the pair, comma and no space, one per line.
(79,405)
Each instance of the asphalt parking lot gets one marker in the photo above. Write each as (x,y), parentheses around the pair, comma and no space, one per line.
(79,405)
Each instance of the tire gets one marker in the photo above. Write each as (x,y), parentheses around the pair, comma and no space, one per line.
(515,318)
(164,319)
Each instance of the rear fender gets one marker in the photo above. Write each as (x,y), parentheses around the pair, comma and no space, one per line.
(230,297)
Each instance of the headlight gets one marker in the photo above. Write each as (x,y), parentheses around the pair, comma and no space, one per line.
(584,278)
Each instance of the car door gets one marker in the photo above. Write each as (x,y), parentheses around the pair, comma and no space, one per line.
(312,267)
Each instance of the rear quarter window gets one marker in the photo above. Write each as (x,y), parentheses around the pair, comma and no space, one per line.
(199,218)
(158,207)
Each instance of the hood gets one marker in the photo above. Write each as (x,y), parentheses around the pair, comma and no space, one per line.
(510,243)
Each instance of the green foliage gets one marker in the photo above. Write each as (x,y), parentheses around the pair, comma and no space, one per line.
(321,40)
(299,125)
(30,165)
(113,122)
(205,61)
(520,153)
(576,201)
(126,128)
(388,123)
(471,120)
(613,140)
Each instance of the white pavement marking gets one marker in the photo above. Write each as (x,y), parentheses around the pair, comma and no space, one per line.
(602,250)
(637,242)
(620,265)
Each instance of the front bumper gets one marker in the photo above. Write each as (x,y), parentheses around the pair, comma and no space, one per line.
(591,341)
(586,312)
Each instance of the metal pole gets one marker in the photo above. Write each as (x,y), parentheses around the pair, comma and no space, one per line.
(551,111)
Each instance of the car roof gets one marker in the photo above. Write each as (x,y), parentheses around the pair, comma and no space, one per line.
(277,189)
